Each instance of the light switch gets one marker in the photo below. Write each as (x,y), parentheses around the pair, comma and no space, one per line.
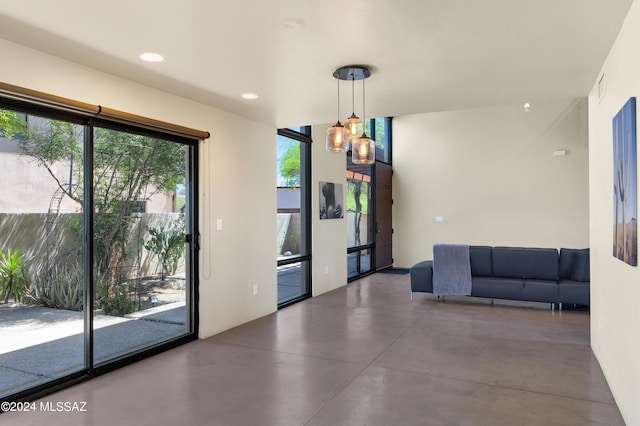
(219,224)
(439,218)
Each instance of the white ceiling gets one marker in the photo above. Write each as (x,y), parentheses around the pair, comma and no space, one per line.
(426,55)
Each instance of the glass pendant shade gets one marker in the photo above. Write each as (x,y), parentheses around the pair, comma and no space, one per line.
(362,147)
(352,124)
(363,150)
(338,138)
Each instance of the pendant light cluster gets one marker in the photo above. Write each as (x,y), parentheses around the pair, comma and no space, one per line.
(363,149)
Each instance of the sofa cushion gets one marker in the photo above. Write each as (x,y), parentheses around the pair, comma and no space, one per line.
(497,288)
(574,292)
(574,265)
(531,263)
(541,291)
(480,258)
(422,276)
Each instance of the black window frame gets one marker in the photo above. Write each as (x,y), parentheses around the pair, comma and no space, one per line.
(304,136)
(91,370)
(380,153)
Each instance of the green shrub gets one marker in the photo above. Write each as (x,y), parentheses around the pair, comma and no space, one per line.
(61,288)
(13,275)
(118,304)
(168,245)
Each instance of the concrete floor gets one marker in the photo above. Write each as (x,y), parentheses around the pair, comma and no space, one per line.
(363,354)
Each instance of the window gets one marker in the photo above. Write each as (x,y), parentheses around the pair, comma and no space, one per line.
(382,135)
(303,130)
(70,309)
(294,225)
(359,220)
(361,198)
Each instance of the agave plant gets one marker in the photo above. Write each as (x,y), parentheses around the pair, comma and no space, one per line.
(13,275)
(61,288)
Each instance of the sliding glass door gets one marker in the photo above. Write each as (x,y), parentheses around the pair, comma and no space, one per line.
(42,279)
(139,223)
(97,225)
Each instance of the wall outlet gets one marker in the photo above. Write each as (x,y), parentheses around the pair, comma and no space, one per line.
(600,323)
(255,289)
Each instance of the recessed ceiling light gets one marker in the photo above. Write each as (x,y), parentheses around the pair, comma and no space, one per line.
(151,57)
(250,96)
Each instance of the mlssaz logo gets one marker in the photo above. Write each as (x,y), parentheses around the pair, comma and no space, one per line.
(63,406)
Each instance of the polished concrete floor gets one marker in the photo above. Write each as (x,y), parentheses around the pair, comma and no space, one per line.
(361,355)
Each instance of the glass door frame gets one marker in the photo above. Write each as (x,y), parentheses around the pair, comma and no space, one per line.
(191,251)
(191,248)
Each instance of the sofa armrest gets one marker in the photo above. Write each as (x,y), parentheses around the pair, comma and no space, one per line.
(422,277)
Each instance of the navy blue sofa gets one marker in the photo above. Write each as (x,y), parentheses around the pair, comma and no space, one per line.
(518,273)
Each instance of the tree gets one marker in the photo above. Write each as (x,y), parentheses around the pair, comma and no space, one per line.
(357,202)
(11,124)
(50,142)
(290,165)
(356,195)
(127,169)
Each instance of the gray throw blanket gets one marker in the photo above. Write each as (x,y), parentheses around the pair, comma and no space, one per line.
(451,270)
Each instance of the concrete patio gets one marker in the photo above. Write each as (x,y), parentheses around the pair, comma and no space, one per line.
(40,344)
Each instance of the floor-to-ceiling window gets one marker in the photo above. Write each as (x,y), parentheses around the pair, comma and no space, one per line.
(361,221)
(359,218)
(294,225)
(96,245)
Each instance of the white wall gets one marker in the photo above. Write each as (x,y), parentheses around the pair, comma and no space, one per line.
(329,241)
(237,187)
(615,286)
(491,174)
(240,190)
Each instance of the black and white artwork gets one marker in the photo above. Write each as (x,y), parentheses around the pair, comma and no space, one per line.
(331,197)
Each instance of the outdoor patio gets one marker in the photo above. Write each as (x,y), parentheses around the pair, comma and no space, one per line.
(41,344)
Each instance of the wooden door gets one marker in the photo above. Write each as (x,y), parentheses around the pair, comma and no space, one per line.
(383,208)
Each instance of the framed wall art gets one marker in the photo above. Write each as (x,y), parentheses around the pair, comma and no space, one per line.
(331,196)
(625,194)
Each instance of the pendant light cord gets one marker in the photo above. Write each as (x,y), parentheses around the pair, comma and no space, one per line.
(353,91)
(364,115)
(337,78)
